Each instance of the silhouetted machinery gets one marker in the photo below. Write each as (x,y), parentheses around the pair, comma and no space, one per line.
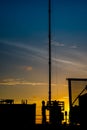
(78,113)
(56,115)
(6,101)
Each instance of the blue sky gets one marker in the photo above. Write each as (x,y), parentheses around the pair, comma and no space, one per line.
(24,47)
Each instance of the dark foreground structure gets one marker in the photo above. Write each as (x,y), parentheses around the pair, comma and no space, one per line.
(78,102)
(16,115)
(23,116)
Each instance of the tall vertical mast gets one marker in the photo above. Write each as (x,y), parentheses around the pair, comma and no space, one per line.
(49,31)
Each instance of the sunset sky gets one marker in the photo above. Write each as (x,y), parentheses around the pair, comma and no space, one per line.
(24,48)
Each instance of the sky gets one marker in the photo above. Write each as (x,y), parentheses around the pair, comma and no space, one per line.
(24,48)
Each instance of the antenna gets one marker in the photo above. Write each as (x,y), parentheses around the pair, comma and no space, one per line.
(49,31)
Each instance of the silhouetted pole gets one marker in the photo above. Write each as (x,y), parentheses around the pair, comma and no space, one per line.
(49,51)
(49,35)
(70,99)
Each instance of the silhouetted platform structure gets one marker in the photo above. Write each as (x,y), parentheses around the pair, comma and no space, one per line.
(22,115)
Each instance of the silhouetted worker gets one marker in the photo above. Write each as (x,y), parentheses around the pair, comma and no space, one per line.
(43,112)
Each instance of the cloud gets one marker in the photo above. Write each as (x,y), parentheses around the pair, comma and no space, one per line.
(25,50)
(65,61)
(27,68)
(13,82)
(57,44)
(73,47)
(23,46)
(41,54)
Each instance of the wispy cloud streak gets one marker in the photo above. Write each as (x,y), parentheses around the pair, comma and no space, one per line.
(57,44)
(25,49)
(13,82)
(26,68)
(40,54)
(73,47)
(66,62)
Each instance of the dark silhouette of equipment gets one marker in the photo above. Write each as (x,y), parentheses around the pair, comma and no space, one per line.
(66,117)
(6,101)
(83,110)
(77,109)
(78,112)
(56,112)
